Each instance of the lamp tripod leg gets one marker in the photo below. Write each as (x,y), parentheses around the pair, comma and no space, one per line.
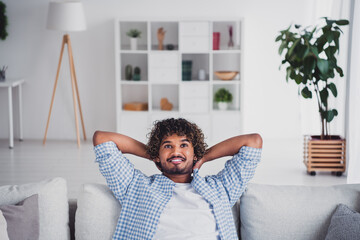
(77,90)
(55,85)
(72,73)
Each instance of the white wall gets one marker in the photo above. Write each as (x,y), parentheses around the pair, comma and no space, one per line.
(31,51)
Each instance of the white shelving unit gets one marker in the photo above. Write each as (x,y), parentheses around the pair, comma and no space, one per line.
(162,75)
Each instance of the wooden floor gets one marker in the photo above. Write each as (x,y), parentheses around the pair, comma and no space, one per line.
(30,161)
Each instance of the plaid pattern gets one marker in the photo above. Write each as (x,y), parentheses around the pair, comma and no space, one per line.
(144,198)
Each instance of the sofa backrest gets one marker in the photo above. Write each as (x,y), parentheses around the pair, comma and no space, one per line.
(98,211)
(292,212)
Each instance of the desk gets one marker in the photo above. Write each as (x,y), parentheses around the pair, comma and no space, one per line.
(9,84)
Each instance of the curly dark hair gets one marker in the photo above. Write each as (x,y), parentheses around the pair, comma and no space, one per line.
(178,126)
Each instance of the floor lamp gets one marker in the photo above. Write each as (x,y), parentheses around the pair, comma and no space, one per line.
(67,16)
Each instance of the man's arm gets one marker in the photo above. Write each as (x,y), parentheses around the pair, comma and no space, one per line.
(230,147)
(124,143)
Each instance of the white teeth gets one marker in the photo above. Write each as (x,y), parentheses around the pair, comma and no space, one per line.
(176,160)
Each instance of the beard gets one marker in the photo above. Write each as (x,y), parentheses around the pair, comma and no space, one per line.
(177,169)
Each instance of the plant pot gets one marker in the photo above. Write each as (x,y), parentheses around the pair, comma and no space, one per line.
(133,43)
(223,105)
(2,76)
(325,155)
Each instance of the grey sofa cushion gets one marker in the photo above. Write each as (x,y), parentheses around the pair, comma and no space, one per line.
(3,227)
(22,219)
(345,224)
(53,205)
(292,212)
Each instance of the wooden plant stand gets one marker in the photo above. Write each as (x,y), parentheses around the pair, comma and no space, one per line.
(324,155)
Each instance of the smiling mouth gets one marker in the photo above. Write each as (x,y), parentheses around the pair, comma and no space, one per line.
(176,159)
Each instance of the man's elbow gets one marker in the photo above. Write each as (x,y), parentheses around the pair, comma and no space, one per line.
(256,141)
(97,137)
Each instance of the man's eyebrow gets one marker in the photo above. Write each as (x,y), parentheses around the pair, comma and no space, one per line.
(165,142)
(182,140)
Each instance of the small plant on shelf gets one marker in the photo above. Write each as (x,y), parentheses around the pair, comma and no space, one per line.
(223,97)
(134,33)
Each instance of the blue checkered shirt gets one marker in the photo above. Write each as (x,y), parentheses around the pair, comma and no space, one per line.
(144,198)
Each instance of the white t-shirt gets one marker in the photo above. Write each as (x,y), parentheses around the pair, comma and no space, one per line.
(187,216)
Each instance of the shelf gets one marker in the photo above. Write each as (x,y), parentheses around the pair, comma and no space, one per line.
(132,82)
(169,91)
(135,51)
(195,66)
(228,82)
(222,27)
(189,87)
(171,36)
(134,60)
(125,26)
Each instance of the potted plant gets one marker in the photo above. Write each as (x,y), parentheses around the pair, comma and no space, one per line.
(3,21)
(223,97)
(134,34)
(310,54)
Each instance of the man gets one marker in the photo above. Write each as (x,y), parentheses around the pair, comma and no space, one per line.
(179,203)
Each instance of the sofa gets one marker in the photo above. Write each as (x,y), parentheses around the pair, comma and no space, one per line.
(263,211)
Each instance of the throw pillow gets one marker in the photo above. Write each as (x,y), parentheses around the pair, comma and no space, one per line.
(3,227)
(22,219)
(53,205)
(97,213)
(345,224)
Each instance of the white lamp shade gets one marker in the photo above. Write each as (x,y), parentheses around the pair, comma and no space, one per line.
(66,16)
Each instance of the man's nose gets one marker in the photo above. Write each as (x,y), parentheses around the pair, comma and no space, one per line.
(177,149)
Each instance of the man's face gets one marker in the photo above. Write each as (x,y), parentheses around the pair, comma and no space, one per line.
(176,155)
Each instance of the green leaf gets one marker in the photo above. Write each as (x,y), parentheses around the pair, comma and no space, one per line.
(278,38)
(323,65)
(306,93)
(309,64)
(324,94)
(333,89)
(320,43)
(331,114)
(340,71)
(329,36)
(302,51)
(288,72)
(291,50)
(330,51)
(282,46)
(342,22)
(298,79)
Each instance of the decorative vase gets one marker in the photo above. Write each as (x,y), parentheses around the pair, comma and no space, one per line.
(231,42)
(186,70)
(133,43)
(223,105)
(216,40)
(202,74)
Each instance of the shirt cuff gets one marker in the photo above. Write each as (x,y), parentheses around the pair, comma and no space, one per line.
(250,153)
(104,149)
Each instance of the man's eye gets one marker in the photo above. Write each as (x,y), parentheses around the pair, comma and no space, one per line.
(184,145)
(167,146)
